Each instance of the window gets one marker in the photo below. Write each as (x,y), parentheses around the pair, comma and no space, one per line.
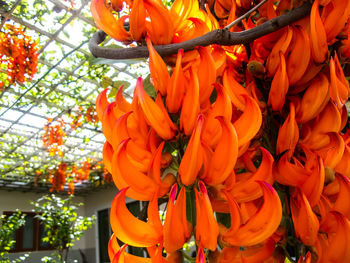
(29,237)
(105,232)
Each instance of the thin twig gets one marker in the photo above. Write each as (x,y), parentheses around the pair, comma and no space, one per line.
(219,36)
(245,15)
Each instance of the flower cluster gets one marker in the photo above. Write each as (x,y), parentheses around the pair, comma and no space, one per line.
(53,137)
(71,173)
(18,53)
(248,148)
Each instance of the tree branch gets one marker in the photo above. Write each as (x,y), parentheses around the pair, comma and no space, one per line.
(218,36)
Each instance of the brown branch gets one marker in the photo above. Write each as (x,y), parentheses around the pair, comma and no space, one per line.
(218,36)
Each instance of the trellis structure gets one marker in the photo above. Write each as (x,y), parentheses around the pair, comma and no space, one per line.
(67,78)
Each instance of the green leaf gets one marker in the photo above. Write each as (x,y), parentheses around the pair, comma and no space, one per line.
(148,87)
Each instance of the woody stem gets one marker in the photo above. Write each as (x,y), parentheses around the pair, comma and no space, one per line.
(218,36)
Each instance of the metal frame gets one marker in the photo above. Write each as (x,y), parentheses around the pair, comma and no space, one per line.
(21,148)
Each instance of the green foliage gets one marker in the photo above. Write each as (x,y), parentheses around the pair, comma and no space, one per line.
(61,222)
(8,227)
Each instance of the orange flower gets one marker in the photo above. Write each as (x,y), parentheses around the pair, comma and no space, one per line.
(192,160)
(299,57)
(160,28)
(305,221)
(319,47)
(159,71)
(288,134)
(222,107)
(339,88)
(176,86)
(279,86)
(190,105)
(280,48)
(245,189)
(137,20)
(225,155)
(154,115)
(107,22)
(248,124)
(207,229)
(262,224)
(176,228)
(314,99)
(131,230)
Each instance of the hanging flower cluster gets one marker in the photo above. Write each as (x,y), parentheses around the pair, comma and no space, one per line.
(82,114)
(248,148)
(68,174)
(53,137)
(18,54)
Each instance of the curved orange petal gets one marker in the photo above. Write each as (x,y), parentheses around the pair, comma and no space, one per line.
(206,74)
(154,115)
(180,11)
(197,28)
(108,121)
(318,36)
(329,120)
(281,47)
(343,167)
(336,18)
(176,86)
(261,225)
(314,99)
(117,254)
(128,228)
(176,220)
(288,134)
(160,28)
(339,88)
(342,203)
(225,155)
(234,90)
(137,20)
(155,171)
(120,130)
(207,229)
(107,22)
(190,105)
(107,156)
(333,152)
(101,104)
(122,104)
(235,216)
(246,190)
(126,174)
(305,221)
(299,57)
(159,71)
(279,86)
(249,123)
(313,185)
(337,228)
(192,160)
(222,107)
(289,173)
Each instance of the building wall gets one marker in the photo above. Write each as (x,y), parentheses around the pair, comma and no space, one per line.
(93,202)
